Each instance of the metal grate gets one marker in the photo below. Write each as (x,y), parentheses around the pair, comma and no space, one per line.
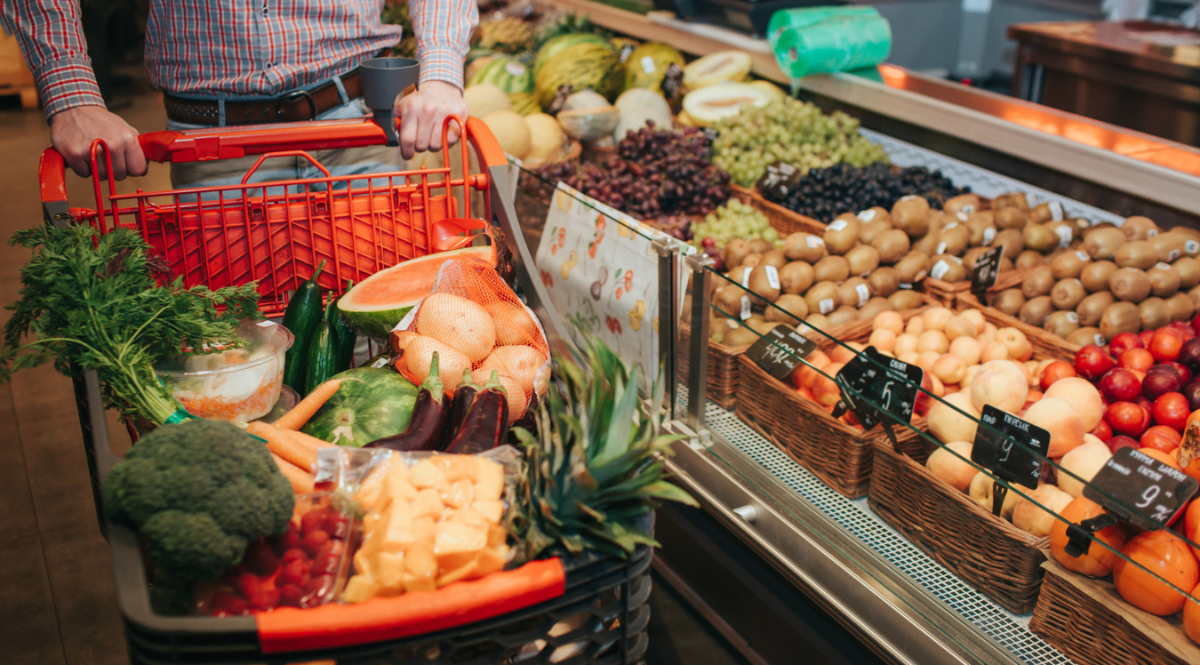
(1009,630)
(981,181)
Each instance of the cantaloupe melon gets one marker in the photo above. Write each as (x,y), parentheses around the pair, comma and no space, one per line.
(486,98)
(545,137)
(511,131)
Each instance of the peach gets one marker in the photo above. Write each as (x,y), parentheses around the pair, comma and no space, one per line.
(936,318)
(952,465)
(981,491)
(993,351)
(949,368)
(1028,367)
(970,376)
(1018,345)
(882,339)
(1083,398)
(915,326)
(824,390)
(975,316)
(1030,512)
(1085,461)
(959,326)
(1056,416)
(889,321)
(1000,383)
(927,360)
(933,340)
(968,349)
(939,388)
(905,343)
(910,357)
(948,425)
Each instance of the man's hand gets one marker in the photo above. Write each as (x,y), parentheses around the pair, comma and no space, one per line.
(421,115)
(73,130)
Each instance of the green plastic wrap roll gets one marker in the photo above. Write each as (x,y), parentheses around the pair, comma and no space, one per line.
(836,44)
(806,16)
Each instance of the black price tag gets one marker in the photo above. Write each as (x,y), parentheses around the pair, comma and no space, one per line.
(987,269)
(1140,489)
(871,378)
(560,98)
(998,451)
(778,180)
(779,351)
(672,81)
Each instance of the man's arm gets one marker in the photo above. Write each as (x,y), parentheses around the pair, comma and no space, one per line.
(443,34)
(52,40)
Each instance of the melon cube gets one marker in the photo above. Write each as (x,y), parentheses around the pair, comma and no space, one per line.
(461,573)
(459,494)
(455,466)
(420,568)
(370,521)
(390,572)
(497,536)
(395,526)
(359,588)
(470,517)
(425,475)
(455,560)
(424,529)
(491,560)
(454,537)
(492,511)
(428,503)
(396,485)
(362,562)
(489,480)
(371,487)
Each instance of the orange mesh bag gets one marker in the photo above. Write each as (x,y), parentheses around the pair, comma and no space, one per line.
(475,322)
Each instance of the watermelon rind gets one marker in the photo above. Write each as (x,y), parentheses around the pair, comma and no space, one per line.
(560,43)
(364,312)
(371,403)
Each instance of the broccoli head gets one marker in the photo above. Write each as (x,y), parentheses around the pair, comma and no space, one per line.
(198,493)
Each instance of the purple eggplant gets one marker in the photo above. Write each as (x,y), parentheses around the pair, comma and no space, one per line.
(460,405)
(486,424)
(424,430)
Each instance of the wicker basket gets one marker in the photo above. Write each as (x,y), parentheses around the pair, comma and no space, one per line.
(986,551)
(808,433)
(1044,343)
(1087,620)
(946,293)
(722,379)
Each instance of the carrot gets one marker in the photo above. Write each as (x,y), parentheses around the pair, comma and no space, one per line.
(296,447)
(308,407)
(301,480)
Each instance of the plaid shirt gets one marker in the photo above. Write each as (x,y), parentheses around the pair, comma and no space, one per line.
(239,48)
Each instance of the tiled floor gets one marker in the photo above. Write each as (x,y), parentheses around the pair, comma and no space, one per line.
(57,598)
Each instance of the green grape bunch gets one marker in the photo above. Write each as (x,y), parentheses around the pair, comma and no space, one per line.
(790,131)
(733,220)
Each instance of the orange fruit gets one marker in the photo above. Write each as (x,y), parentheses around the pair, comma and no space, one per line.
(1167,558)
(1098,560)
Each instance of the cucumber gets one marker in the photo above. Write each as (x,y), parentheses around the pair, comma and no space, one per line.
(303,313)
(322,360)
(346,338)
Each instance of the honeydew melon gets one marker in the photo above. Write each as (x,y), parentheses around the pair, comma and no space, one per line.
(708,105)
(721,67)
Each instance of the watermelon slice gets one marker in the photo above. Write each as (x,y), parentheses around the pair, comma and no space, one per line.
(374,306)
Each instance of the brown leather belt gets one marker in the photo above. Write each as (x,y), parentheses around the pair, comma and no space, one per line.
(290,107)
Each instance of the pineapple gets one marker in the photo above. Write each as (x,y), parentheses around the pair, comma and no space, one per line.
(592,468)
(566,24)
(504,35)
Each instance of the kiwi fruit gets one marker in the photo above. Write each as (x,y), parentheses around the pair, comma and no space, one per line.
(797,247)
(736,251)
(1181,307)
(832,268)
(1036,310)
(1164,280)
(1194,294)
(1012,242)
(1067,294)
(1138,254)
(728,300)
(911,215)
(1139,228)
(1086,336)
(1092,307)
(1010,218)
(752,259)
(1039,237)
(912,268)
(1154,313)
(1064,232)
(764,282)
(1103,244)
(892,245)
(1098,226)
(1095,275)
(906,299)
(953,240)
(1118,318)
(863,260)
(1038,282)
(964,203)
(874,307)
(870,230)
(932,238)
(1168,245)
(855,292)
(823,297)
(1015,200)
(884,281)
(1006,264)
(774,258)
(1009,301)
(1189,271)
(739,275)
(1045,212)
(760,246)
(1062,323)
(740,336)
(971,256)
(842,234)
(843,314)
(1129,284)
(789,307)
(1189,234)
(1069,264)
(796,277)
(1029,258)
(948,269)
(875,214)
(982,230)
